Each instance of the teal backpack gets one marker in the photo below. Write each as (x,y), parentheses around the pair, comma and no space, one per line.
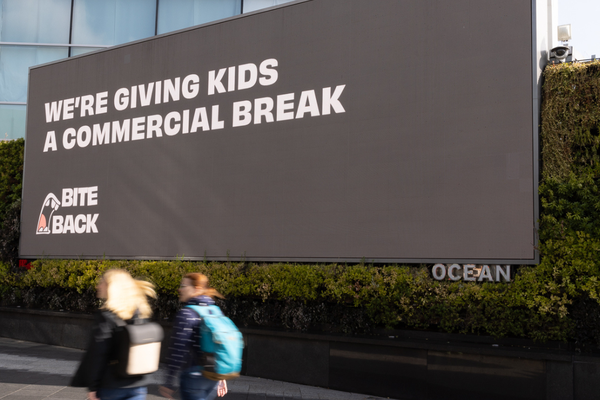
(222,344)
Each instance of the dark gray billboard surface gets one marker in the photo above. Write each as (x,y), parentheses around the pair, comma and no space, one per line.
(323,130)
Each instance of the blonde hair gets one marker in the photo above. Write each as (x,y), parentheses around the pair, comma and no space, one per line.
(200,281)
(126,295)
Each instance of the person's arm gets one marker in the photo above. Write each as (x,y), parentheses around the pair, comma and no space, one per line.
(181,345)
(99,351)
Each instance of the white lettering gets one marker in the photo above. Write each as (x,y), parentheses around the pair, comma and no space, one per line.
(69,138)
(231,79)
(241,113)
(100,135)
(146,95)
(133,97)
(154,126)
(82,192)
(85,196)
(84,136)
(200,120)
(248,71)
(87,105)
(121,99)
(332,101)
(172,129)
(57,224)
(171,90)
(68,107)
(101,102)
(185,121)
(67,197)
(120,133)
(137,128)
(307,103)
(191,86)
(214,118)
(505,272)
(468,272)
(263,108)
(90,226)
(451,272)
(157,92)
(270,74)
(53,111)
(485,274)
(285,107)
(92,199)
(50,143)
(214,82)
(69,226)
(80,223)
(439,271)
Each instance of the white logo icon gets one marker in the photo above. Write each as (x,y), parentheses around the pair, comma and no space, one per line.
(50,205)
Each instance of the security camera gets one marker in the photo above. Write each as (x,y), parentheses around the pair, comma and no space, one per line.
(560,52)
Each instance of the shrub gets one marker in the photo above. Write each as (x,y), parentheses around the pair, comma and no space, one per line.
(321,297)
(11,178)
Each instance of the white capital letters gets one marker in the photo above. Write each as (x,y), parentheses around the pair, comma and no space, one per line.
(50,143)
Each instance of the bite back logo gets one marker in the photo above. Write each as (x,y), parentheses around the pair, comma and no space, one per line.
(52,221)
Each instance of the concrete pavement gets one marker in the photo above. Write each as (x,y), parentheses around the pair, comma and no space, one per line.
(33,371)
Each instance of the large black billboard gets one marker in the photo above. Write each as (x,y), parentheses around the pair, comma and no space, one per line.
(321,130)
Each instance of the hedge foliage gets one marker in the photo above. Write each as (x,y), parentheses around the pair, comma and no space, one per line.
(330,297)
(570,193)
(11,179)
(555,300)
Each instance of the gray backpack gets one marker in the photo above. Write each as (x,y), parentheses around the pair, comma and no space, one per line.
(137,347)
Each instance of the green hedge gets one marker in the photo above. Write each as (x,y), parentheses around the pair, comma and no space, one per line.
(555,300)
(570,194)
(11,178)
(379,296)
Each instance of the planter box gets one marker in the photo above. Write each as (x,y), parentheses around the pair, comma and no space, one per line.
(407,365)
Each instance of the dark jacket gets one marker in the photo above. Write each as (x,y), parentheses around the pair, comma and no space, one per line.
(184,351)
(95,371)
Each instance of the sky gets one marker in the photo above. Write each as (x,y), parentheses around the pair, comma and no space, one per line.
(584,17)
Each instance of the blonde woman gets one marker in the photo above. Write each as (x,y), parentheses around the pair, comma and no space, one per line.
(125,299)
(185,354)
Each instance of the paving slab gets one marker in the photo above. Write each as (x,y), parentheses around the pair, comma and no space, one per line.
(34,371)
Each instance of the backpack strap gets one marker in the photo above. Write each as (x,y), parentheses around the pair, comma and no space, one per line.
(135,320)
(206,310)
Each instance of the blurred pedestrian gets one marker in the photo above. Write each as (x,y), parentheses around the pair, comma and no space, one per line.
(185,354)
(125,299)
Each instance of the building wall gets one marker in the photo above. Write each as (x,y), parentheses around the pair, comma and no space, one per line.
(35,32)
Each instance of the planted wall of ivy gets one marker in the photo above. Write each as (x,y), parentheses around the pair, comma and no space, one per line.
(570,193)
(11,178)
(555,300)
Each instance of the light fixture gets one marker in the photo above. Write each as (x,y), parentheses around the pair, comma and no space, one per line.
(564,32)
(562,53)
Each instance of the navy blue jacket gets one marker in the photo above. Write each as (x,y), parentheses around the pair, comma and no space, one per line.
(184,351)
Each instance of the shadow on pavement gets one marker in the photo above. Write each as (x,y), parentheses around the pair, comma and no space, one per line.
(32,371)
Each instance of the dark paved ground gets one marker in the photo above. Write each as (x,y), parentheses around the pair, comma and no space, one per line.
(33,371)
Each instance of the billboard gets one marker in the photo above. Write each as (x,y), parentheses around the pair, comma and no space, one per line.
(323,130)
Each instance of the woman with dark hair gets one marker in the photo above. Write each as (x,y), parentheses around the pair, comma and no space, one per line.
(185,354)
